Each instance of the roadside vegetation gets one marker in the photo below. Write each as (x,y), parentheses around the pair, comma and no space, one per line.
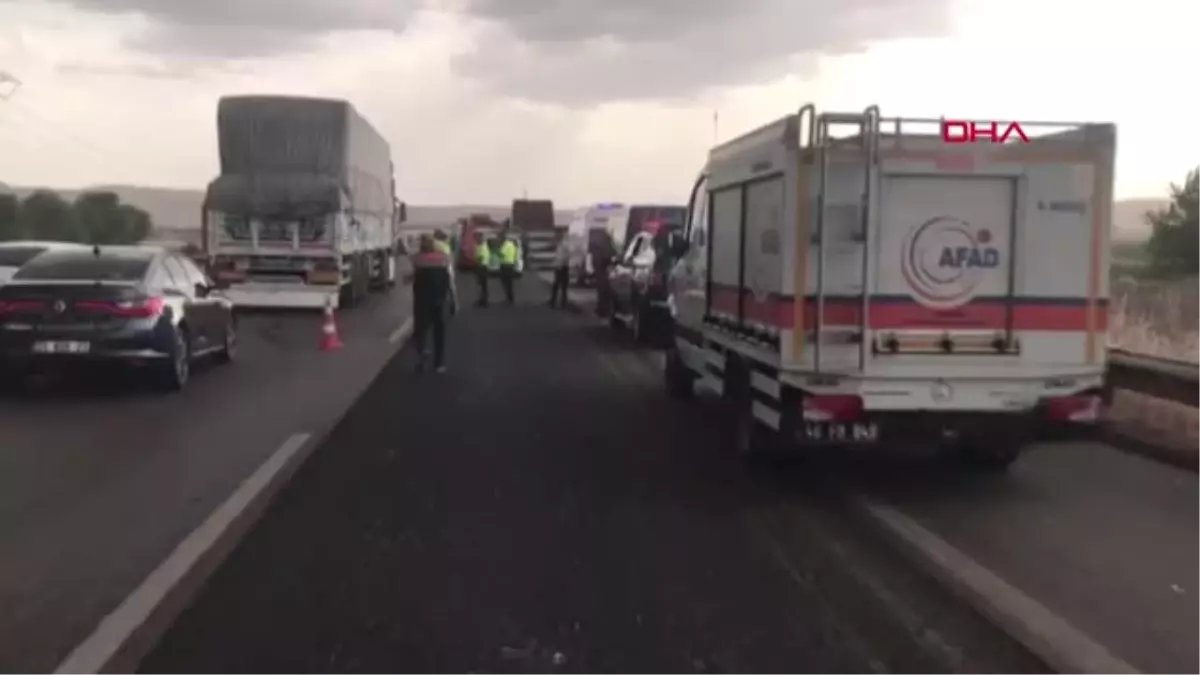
(1155,292)
(92,218)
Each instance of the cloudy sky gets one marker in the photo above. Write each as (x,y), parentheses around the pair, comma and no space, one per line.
(577,100)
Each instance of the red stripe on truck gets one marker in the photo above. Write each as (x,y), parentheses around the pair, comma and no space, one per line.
(900,312)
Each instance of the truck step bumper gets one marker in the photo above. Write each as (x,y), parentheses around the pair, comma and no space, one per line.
(281,297)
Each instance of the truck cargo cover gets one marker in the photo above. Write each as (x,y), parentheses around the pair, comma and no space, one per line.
(281,152)
(271,194)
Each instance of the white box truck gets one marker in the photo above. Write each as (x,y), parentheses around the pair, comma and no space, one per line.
(896,283)
(304,211)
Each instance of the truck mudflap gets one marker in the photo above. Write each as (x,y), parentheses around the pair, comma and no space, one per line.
(282,296)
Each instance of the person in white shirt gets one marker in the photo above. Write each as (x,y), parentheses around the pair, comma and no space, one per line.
(562,274)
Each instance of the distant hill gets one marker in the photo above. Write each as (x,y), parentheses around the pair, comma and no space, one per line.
(1129,218)
(176,209)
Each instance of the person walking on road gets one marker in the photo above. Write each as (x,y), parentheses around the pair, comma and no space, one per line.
(562,274)
(435,298)
(483,270)
(508,268)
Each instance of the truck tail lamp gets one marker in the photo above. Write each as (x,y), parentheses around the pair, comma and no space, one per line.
(831,407)
(1082,408)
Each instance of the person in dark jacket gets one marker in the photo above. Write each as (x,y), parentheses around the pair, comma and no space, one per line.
(434,299)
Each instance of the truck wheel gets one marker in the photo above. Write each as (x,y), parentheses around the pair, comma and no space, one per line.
(752,440)
(364,276)
(680,380)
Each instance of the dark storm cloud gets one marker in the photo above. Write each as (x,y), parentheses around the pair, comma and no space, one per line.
(583,51)
(246,28)
(573,52)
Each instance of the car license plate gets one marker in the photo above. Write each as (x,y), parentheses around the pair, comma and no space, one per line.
(62,347)
(838,432)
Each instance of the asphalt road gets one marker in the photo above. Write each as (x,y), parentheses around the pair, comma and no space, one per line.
(100,480)
(544,507)
(1106,539)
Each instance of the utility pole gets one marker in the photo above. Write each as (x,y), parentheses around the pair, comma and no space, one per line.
(9,84)
(715,127)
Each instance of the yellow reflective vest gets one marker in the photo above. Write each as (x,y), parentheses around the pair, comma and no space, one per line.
(508,253)
(482,253)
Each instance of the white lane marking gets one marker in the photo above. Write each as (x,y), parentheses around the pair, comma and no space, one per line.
(401,333)
(92,655)
(1063,647)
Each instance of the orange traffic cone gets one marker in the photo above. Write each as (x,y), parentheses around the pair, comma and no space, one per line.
(329,331)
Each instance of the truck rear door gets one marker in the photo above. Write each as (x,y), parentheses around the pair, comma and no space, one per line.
(944,265)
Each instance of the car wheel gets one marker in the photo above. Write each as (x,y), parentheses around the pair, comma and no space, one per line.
(228,349)
(178,369)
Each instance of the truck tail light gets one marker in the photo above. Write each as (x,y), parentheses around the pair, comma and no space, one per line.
(1080,408)
(831,407)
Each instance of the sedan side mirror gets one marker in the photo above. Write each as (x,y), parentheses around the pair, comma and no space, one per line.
(203,289)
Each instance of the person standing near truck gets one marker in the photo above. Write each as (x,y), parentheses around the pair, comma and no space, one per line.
(434,299)
(562,274)
(441,241)
(483,270)
(508,267)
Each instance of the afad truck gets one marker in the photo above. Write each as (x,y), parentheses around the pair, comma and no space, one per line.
(304,210)
(884,285)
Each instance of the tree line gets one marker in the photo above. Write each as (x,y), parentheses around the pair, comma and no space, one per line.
(1173,249)
(93,217)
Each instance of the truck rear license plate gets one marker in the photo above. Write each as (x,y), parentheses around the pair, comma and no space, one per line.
(838,432)
(62,347)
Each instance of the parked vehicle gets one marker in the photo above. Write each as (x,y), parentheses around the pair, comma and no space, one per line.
(136,306)
(304,211)
(14,254)
(644,217)
(885,286)
(597,231)
(639,288)
(534,219)
(471,232)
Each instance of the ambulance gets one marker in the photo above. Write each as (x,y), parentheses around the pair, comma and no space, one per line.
(846,278)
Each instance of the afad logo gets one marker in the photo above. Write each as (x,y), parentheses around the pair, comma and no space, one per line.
(945,259)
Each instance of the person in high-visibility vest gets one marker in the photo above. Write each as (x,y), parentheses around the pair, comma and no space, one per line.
(440,243)
(508,267)
(483,264)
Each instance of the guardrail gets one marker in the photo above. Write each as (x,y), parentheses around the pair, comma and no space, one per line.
(1169,379)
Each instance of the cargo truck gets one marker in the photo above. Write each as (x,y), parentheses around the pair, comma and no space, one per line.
(304,211)
(533,221)
(884,285)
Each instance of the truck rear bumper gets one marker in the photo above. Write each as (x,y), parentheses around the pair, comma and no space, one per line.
(282,296)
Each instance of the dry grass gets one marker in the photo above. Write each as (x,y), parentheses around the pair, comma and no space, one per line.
(1157,318)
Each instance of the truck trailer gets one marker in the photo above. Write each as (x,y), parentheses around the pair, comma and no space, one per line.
(304,212)
(883,285)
